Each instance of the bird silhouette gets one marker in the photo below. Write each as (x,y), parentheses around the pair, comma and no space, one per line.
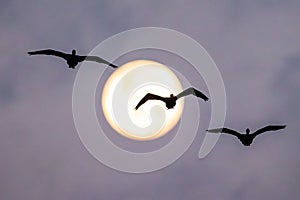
(171,101)
(72,59)
(247,138)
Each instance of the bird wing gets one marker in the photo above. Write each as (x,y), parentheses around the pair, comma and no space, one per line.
(193,91)
(224,130)
(269,128)
(49,52)
(95,59)
(147,97)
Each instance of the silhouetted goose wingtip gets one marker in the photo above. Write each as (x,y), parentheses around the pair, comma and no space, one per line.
(282,126)
(213,130)
(113,66)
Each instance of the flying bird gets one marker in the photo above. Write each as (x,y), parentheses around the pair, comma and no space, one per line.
(72,59)
(171,101)
(247,138)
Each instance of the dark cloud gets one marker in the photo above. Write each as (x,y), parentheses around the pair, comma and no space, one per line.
(254,43)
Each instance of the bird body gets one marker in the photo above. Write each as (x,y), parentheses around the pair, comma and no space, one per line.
(72,59)
(171,101)
(247,139)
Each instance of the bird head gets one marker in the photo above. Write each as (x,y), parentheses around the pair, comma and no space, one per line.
(247,131)
(73,52)
(171,95)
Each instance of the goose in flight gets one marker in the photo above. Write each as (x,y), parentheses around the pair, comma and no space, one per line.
(72,59)
(247,138)
(171,101)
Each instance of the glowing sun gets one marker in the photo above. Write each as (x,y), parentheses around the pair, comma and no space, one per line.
(127,86)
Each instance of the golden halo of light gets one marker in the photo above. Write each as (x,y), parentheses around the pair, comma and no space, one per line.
(127,86)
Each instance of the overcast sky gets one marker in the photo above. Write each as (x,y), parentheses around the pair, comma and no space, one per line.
(256,47)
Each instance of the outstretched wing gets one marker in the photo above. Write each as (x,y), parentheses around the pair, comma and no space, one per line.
(192,91)
(147,97)
(224,130)
(269,128)
(49,52)
(95,59)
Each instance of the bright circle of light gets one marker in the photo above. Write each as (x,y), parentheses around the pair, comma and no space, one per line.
(127,86)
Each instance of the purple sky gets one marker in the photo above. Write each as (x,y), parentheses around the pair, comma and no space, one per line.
(256,47)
